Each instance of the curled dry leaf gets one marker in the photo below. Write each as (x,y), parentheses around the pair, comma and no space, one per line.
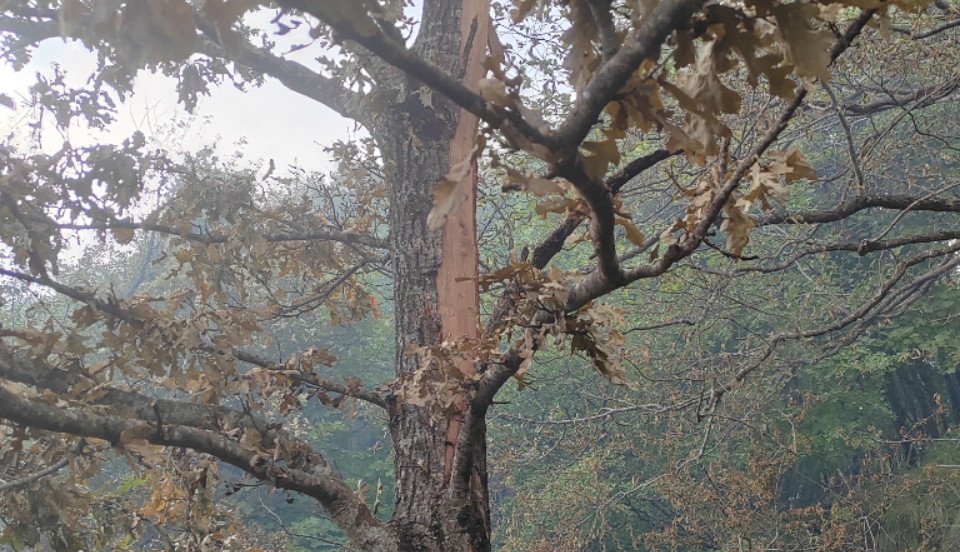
(736,226)
(517,181)
(448,194)
(604,153)
(633,233)
(807,48)
(704,97)
(792,164)
(495,92)
(768,182)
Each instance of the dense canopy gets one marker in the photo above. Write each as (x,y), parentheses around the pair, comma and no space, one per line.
(593,275)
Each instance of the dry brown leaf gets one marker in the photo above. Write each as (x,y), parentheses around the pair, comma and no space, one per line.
(556,206)
(135,433)
(807,48)
(605,153)
(495,92)
(798,164)
(448,194)
(165,28)
(633,233)
(124,235)
(71,16)
(522,9)
(704,87)
(737,226)
(446,198)
(517,181)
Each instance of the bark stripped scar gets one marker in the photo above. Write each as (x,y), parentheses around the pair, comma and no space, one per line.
(468,47)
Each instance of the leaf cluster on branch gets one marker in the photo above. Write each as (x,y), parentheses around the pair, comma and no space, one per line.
(675,131)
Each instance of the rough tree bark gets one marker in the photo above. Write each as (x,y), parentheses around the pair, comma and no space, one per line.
(420,141)
(439,454)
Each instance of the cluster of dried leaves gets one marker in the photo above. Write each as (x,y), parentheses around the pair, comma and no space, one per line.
(677,71)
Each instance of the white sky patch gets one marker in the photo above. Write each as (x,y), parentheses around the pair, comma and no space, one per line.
(274,122)
(264,123)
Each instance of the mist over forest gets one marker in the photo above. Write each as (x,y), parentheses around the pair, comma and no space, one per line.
(477,275)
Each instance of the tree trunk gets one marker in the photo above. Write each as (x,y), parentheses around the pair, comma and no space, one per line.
(419,143)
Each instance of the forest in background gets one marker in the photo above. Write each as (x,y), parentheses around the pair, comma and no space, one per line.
(840,432)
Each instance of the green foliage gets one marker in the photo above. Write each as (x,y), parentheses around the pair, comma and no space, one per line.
(776,376)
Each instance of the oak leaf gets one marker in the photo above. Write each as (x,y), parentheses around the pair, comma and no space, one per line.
(807,48)
(448,194)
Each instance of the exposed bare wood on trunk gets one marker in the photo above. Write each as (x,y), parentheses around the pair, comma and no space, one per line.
(457,293)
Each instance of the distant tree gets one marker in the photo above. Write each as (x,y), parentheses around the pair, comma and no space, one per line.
(659,125)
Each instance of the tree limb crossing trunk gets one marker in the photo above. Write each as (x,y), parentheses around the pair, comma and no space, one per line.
(419,144)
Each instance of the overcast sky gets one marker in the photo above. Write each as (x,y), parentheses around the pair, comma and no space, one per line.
(275,122)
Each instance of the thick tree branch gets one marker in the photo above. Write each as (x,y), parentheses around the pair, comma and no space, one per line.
(553,244)
(317,481)
(311,235)
(645,43)
(602,217)
(291,74)
(603,17)
(294,76)
(473,430)
(117,311)
(312,380)
(598,284)
(860,203)
(399,56)
(14,367)
(31,32)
